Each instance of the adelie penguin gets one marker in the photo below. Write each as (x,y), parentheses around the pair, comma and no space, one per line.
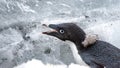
(98,55)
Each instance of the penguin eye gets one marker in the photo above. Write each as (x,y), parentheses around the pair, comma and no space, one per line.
(61,31)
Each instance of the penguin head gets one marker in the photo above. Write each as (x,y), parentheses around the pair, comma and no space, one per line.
(66,31)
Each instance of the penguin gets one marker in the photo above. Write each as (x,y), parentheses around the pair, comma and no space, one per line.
(99,54)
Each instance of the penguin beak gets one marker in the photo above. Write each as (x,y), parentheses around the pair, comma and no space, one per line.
(53,30)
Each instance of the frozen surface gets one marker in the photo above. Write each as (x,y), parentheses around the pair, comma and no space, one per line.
(38,64)
(21,26)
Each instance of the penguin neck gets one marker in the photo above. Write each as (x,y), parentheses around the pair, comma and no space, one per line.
(78,38)
(79,46)
(78,42)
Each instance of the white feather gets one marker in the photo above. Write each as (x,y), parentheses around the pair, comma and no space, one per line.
(77,57)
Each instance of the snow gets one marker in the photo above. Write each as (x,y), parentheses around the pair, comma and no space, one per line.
(25,8)
(38,64)
(106,31)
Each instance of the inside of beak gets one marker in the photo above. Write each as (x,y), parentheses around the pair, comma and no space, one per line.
(50,30)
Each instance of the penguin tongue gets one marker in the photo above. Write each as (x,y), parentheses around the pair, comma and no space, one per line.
(49,31)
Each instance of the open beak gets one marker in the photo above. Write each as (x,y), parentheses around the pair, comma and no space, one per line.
(52,31)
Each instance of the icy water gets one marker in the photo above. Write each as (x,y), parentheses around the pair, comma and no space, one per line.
(21,26)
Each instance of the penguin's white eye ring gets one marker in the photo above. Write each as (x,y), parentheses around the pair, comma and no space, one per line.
(61,31)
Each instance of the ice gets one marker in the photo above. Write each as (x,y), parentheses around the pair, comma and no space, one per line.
(25,8)
(38,64)
(21,29)
(50,3)
(107,32)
